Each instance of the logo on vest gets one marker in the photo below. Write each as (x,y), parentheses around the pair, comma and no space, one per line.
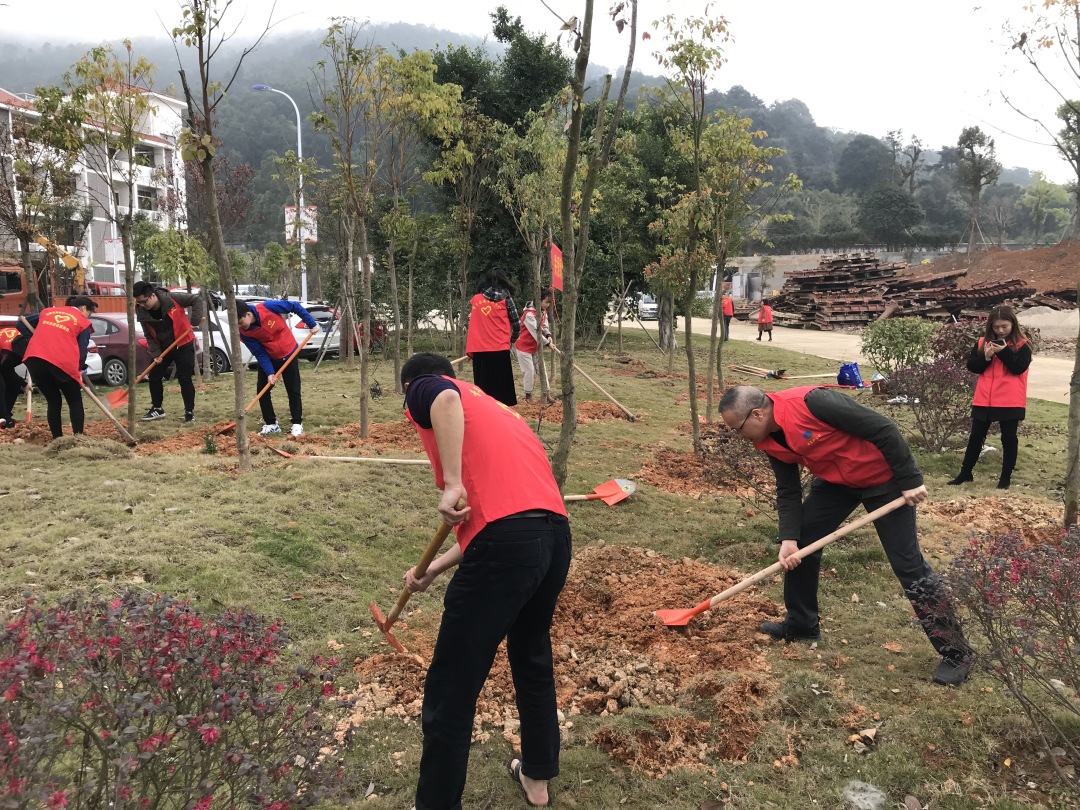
(486,309)
(809,436)
(63,317)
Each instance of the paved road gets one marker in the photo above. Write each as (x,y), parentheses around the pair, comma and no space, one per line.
(1048,379)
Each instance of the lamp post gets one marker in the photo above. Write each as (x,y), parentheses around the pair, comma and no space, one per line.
(300,187)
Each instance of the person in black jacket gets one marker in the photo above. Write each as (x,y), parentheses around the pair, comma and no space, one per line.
(858,457)
(1001,358)
(163,320)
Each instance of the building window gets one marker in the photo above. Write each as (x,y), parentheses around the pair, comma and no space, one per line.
(144,155)
(147,199)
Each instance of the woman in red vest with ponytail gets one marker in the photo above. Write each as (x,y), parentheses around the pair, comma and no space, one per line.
(56,357)
(493,329)
(1001,358)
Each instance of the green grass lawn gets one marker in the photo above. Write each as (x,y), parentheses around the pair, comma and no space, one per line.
(314,542)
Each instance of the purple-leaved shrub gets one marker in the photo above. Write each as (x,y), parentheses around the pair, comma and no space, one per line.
(939,396)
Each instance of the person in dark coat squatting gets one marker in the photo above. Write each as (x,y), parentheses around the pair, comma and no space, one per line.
(513,554)
(857,456)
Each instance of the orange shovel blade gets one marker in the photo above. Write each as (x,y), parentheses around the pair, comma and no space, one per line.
(681,618)
(380,622)
(615,490)
(118,398)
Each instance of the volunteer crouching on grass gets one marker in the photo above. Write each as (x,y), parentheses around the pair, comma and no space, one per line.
(857,456)
(163,320)
(56,357)
(10,381)
(264,328)
(513,553)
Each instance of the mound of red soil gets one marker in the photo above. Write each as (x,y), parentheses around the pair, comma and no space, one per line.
(611,654)
(1046,269)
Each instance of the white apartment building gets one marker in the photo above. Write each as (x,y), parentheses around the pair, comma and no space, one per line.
(159,176)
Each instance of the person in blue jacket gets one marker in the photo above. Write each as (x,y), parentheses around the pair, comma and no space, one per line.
(265,330)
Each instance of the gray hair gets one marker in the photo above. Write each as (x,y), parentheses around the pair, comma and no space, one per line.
(741,398)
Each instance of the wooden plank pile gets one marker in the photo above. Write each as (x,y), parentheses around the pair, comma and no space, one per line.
(855,289)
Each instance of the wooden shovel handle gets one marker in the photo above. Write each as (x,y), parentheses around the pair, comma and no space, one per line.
(421,567)
(105,410)
(600,388)
(150,368)
(775,568)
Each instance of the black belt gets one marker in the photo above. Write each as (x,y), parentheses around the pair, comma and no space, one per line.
(533,513)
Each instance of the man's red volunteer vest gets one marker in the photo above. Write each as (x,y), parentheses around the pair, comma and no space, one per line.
(180,323)
(273,333)
(728,304)
(997,387)
(7,334)
(764,314)
(526,342)
(489,326)
(56,339)
(503,465)
(824,450)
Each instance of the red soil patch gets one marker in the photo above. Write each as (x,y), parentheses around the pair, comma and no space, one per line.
(1046,269)
(612,653)
(586,412)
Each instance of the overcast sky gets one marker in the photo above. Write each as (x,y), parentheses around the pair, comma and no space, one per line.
(927,67)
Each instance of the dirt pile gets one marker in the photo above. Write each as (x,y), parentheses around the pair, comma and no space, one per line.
(1047,269)
(612,654)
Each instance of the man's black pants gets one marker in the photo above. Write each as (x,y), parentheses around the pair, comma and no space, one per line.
(505,587)
(183,358)
(11,384)
(291,379)
(825,508)
(57,386)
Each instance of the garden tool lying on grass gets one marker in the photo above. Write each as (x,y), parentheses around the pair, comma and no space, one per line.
(88,388)
(119,397)
(615,490)
(600,388)
(680,618)
(266,387)
(376,459)
(432,549)
(768,374)
(459,361)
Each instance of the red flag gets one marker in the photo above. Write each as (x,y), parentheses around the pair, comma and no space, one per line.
(556,267)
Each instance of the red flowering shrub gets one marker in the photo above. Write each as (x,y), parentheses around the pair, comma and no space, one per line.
(1025,598)
(939,395)
(144,702)
(955,338)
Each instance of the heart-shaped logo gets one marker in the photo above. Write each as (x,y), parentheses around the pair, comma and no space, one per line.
(486,309)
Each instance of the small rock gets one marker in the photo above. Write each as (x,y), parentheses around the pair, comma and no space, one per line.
(130,510)
(911,803)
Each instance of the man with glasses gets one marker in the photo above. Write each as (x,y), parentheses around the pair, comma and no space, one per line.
(163,320)
(857,456)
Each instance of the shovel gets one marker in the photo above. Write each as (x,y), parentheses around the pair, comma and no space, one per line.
(680,618)
(265,388)
(615,490)
(88,389)
(385,623)
(376,459)
(600,388)
(119,397)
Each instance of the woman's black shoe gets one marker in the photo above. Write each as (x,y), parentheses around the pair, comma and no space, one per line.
(962,478)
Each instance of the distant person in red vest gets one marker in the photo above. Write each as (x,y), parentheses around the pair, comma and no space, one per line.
(764,321)
(56,358)
(11,383)
(1001,358)
(513,552)
(728,309)
(264,328)
(857,456)
(163,320)
(528,347)
(493,329)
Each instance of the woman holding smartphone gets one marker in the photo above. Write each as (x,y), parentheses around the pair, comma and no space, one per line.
(1001,358)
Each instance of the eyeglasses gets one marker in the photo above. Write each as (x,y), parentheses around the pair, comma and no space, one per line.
(142,301)
(749,412)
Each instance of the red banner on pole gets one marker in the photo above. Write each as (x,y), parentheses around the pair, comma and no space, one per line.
(556,267)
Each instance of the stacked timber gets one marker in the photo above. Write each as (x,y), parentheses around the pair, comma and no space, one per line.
(855,289)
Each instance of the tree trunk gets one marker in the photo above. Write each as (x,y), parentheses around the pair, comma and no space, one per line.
(687,307)
(365,332)
(1072,466)
(129,284)
(220,253)
(34,301)
(395,305)
(410,318)
(541,364)
(346,299)
(716,347)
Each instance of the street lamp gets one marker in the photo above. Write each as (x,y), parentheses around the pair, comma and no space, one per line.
(300,187)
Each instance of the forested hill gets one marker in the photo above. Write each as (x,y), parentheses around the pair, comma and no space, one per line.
(256,127)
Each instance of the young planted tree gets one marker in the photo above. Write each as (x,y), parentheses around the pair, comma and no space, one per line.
(528,180)
(976,168)
(575,229)
(201,30)
(36,182)
(111,90)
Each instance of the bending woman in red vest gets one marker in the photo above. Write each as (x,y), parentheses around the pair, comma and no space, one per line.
(56,357)
(493,329)
(1001,358)
(512,554)
(857,456)
(764,321)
